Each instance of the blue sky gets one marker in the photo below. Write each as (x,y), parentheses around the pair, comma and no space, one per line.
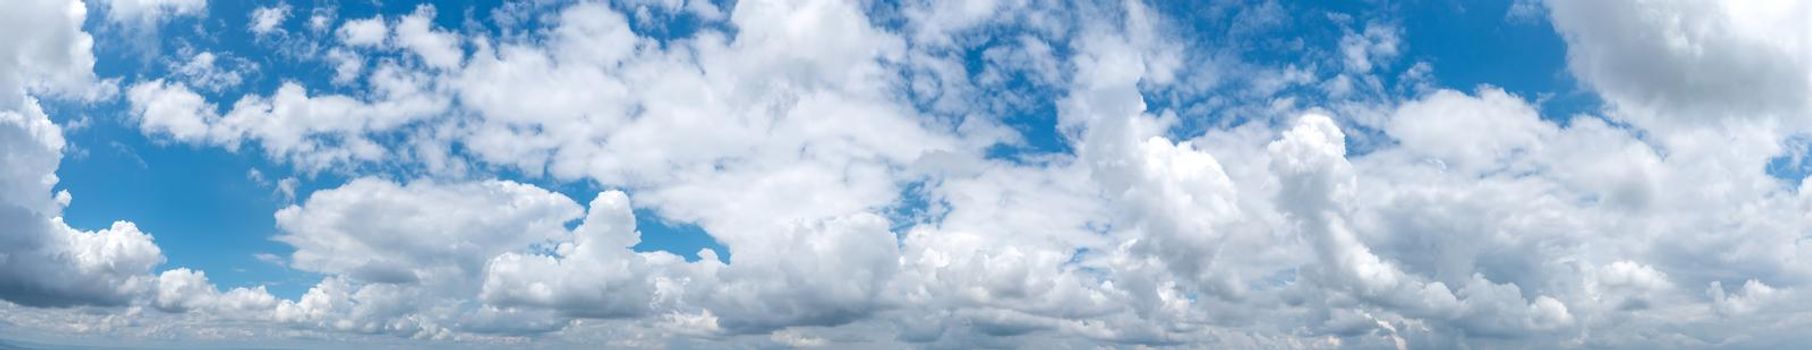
(1387,174)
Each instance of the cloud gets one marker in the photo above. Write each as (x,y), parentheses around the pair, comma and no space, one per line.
(1427,126)
(266,20)
(593,274)
(1371,48)
(311,130)
(184,290)
(46,262)
(1691,63)
(393,253)
(152,12)
(409,259)
(172,109)
(376,231)
(50,52)
(435,48)
(364,32)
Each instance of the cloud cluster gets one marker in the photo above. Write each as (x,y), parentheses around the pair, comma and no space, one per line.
(849,157)
(44,262)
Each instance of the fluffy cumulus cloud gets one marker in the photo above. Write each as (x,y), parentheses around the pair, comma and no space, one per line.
(1670,62)
(45,262)
(870,170)
(266,20)
(376,231)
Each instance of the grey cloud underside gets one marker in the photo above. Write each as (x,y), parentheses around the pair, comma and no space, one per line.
(1470,220)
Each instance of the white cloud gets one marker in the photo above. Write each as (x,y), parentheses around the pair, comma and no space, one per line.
(414,32)
(172,109)
(1526,11)
(593,274)
(152,12)
(734,165)
(184,290)
(409,260)
(315,132)
(796,339)
(346,65)
(47,52)
(1371,48)
(435,260)
(1663,63)
(1753,295)
(287,188)
(1434,126)
(378,232)
(321,18)
(266,20)
(364,32)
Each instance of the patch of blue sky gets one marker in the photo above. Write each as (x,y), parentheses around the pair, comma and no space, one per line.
(1018,98)
(1525,56)
(916,206)
(680,238)
(1473,43)
(1034,118)
(198,202)
(204,209)
(1794,163)
(666,25)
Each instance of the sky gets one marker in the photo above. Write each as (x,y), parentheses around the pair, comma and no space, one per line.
(683,174)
